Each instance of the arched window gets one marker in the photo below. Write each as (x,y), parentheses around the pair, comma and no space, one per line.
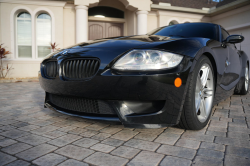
(173,22)
(24,35)
(43,34)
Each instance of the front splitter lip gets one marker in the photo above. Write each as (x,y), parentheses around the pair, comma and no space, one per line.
(112,119)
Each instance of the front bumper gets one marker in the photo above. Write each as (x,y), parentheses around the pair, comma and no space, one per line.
(119,90)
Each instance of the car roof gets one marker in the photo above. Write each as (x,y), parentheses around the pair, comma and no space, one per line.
(194,23)
(198,23)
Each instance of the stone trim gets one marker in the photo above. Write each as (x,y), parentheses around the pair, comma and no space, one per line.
(13,80)
(35,2)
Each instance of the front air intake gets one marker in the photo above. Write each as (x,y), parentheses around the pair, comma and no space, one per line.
(79,69)
(81,105)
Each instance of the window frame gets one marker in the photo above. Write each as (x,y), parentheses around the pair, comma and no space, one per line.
(16,40)
(13,29)
(222,29)
(36,43)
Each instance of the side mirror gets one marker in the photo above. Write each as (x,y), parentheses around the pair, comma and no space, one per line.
(234,39)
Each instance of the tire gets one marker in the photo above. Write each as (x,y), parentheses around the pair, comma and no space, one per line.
(195,114)
(242,89)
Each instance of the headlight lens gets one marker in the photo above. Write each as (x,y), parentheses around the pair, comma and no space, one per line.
(147,60)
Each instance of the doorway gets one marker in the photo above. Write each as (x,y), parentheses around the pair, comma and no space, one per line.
(98,30)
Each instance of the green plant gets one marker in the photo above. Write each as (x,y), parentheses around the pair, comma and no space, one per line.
(4,70)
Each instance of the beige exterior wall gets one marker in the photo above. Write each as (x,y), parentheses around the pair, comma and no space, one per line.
(232,18)
(0,26)
(6,17)
(152,21)
(165,17)
(23,69)
(69,24)
(237,22)
(112,3)
(245,45)
(130,22)
(27,67)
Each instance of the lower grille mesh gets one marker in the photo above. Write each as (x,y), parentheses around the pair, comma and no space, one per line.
(81,104)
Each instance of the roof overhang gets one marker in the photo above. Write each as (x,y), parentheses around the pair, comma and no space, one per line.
(37,2)
(210,12)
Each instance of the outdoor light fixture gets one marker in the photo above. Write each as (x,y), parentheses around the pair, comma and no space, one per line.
(99,16)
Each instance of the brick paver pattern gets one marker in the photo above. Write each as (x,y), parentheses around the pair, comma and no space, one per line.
(33,135)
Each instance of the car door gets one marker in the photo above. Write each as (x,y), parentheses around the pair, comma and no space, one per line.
(222,57)
(233,64)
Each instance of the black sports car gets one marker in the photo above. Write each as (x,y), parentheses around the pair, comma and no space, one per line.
(173,75)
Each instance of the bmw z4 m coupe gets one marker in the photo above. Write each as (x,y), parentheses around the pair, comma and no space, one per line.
(170,76)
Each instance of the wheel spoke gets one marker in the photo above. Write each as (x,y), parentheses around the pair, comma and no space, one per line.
(198,104)
(204,92)
(246,78)
(199,85)
(204,76)
(203,111)
(207,92)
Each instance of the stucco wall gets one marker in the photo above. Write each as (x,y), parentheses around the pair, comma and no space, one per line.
(27,67)
(112,3)
(130,22)
(233,18)
(69,24)
(245,45)
(23,69)
(237,22)
(65,35)
(0,26)
(152,21)
(165,17)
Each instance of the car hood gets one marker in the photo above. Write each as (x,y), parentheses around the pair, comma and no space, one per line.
(109,49)
(124,42)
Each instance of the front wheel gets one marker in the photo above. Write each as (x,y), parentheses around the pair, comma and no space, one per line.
(199,99)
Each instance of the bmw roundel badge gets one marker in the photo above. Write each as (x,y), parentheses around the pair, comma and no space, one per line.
(64,52)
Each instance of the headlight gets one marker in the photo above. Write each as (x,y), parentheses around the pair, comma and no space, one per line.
(147,60)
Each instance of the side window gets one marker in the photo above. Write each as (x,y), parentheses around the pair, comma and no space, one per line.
(224,34)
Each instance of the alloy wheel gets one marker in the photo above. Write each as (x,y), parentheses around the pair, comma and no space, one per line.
(204,92)
(246,78)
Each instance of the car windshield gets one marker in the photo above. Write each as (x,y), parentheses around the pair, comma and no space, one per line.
(188,30)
